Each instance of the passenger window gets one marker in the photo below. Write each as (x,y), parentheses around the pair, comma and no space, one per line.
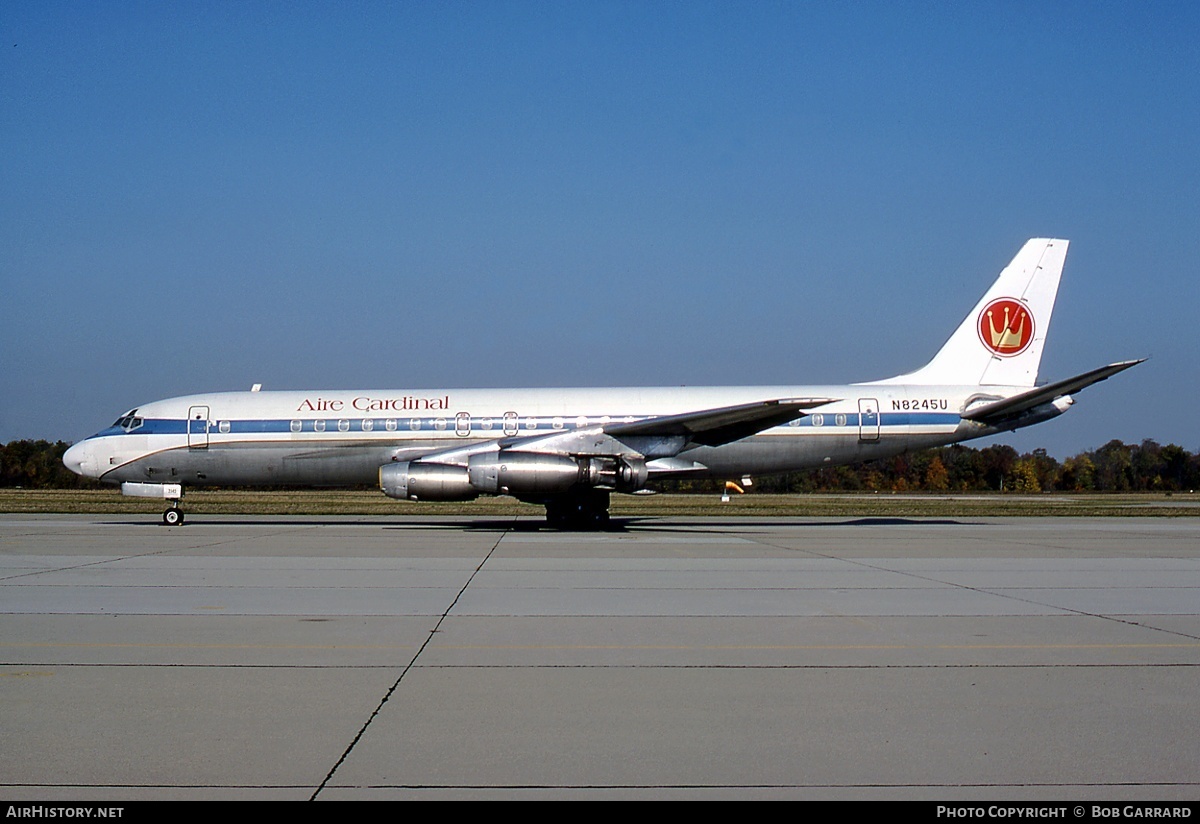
(297,426)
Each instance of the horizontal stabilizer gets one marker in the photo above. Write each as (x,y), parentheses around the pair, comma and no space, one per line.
(1007,408)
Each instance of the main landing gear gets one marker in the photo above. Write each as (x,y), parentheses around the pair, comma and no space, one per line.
(579,509)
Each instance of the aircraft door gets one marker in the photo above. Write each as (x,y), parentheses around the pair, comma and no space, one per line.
(197,427)
(868,419)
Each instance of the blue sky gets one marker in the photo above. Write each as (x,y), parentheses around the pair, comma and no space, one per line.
(201,196)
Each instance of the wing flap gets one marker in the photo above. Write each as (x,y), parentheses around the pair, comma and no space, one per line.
(674,466)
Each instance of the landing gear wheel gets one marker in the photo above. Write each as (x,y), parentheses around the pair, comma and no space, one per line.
(582,509)
(173,516)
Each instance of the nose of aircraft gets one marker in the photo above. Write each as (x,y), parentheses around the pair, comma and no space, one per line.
(78,458)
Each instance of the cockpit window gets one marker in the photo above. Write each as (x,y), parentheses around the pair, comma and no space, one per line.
(129,421)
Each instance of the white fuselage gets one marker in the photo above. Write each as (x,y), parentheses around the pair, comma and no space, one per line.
(337,438)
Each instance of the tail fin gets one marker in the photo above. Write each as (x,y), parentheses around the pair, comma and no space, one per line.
(1000,342)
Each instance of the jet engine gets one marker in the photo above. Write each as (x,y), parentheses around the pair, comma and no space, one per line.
(426,482)
(521,474)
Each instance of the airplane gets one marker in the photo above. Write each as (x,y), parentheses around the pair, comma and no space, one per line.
(568,449)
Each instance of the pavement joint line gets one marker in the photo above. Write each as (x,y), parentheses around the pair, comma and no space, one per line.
(408,667)
(997,591)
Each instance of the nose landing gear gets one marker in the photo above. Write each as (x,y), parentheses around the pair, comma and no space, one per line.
(171,492)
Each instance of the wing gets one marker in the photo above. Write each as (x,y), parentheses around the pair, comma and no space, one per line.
(715,427)
(653,438)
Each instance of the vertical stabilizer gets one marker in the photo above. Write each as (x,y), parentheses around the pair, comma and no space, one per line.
(1000,342)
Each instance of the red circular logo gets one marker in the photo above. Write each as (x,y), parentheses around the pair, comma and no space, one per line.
(1006,327)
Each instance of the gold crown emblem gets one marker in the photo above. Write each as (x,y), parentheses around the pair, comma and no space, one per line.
(1005,337)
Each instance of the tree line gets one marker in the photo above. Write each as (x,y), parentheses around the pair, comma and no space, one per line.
(38,465)
(1114,467)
